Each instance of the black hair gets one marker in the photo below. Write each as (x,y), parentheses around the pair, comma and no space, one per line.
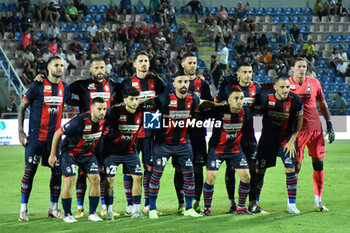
(300,59)
(142,53)
(130,91)
(281,78)
(96,59)
(180,73)
(53,58)
(244,64)
(98,100)
(186,55)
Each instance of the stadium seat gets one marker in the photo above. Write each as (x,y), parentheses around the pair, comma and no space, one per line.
(277,20)
(87,18)
(252,11)
(137,46)
(149,19)
(39,36)
(321,79)
(270,11)
(269,79)
(286,20)
(339,87)
(174,28)
(308,11)
(142,10)
(329,80)
(230,47)
(299,11)
(201,64)
(93,9)
(259,79)
(233,64)
(75,27)
(2,7)
(314,28)
(100,19)
(65,27)
(84,27)
(339,80)
(18,36)
(12,7)
(306,20)
(86,46)
(340,39)
(279,11)
(323,63)
(321,72)
(232,11)
(261,11)
(81,37)
(296,20)
(304,29)
(327,87)
(347,88)
(262,72)
(103,9)
(330,38)
(289,11)
(213,10)
(116,8)
(205,10)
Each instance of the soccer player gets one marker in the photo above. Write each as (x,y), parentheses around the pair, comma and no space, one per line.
(311,135)
(123,124)
(149,86)
(82,135)
(201,88)
(251,90)
(46,100)
(282,121)
(83,92)
(224,144)
(173,140)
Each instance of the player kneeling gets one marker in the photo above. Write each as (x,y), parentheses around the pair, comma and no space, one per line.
(225,145)
(82,135)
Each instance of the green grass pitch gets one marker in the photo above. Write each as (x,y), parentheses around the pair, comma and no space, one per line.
(336,196)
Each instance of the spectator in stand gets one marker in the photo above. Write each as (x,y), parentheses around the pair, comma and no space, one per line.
(321,9)
(339,104)
(27,75)
(263,42)
(294,33)
(153,6)
(180,40)
(28,58)
(288,58)
(71,60)
(252,38)
(47,55)
(335,57)
(110,56)
(169,36)
(196,8)
(116,71)
(43,45)
(54,32)
(123,33)
(41,11)
(299,53)
(251,50)
(189,39)
(343,54)
(26,38)
(111,14)
(38,59)
(143,32)
(53,47)
(227,32)
(171,68)
(104,33)
(6,23)
(309,49)
(222,13)
(170,15)
(342,69)
(341,8)
(241,11)
(78,50)
(289,48)
(53,12)
(239,50)
(23,5)
(26,22)
(215,71)
(249,24)
(71,13)
(94,50)
(310,71)
(133,33)
(12,106)
(331,7)
(125,7)
(284,36)
(82,9)
(160,15)
(154,30)
(92,30)
(126,70)
(223,57)
(183,29)
(215,34)
(109,68)
(129,48)
(266,60)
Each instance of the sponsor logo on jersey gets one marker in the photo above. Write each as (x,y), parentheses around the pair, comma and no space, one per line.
(53,100)
(92,86)
(92,136)
(147,94)
(94,167)
(232,127)
(122,118)
(138,169)
(173,103)
(179,114)
(272,103)
(128,128)
(292,86)
(105,95)
(188,163)
(87,128)
(47,88)
(69,170)
(243,162)
(135,84)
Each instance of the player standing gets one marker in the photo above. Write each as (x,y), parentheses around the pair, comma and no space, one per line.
(123,124)
(149,86)
(311,135)
(82,136)
(225,145)
(282,121)
(46,100)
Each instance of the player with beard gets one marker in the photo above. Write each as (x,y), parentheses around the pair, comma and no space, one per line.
(201,88)
(82,136)
(282,121)
(46,100)
(149,86)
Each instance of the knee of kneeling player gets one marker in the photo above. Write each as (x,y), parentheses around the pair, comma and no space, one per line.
(245,177)
(318,166)
(137,179)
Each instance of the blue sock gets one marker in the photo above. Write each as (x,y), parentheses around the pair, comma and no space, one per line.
(189,200)
(152,202)
(93,204)
(54,199)
(24,199)
(67,204)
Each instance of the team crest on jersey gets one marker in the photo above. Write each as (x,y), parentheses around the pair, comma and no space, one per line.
(159,162)
(308,88)
(292,86)
(69,170)
(227,116)
(92,86)
(213,164)
(286,108)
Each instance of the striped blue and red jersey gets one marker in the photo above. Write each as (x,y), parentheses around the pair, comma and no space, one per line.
(46,101)
(176,113)
(121,130)
(227,138)
(279,117)
(149,87)
(82,135)
(88,89)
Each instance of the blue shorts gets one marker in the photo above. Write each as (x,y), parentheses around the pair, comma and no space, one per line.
(181,153)
(130,161)
(199,149)
(267,154)
(37,150)
(145,145)
(237,161)
(88,163)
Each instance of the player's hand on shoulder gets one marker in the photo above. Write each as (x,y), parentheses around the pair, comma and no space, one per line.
(39,78)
